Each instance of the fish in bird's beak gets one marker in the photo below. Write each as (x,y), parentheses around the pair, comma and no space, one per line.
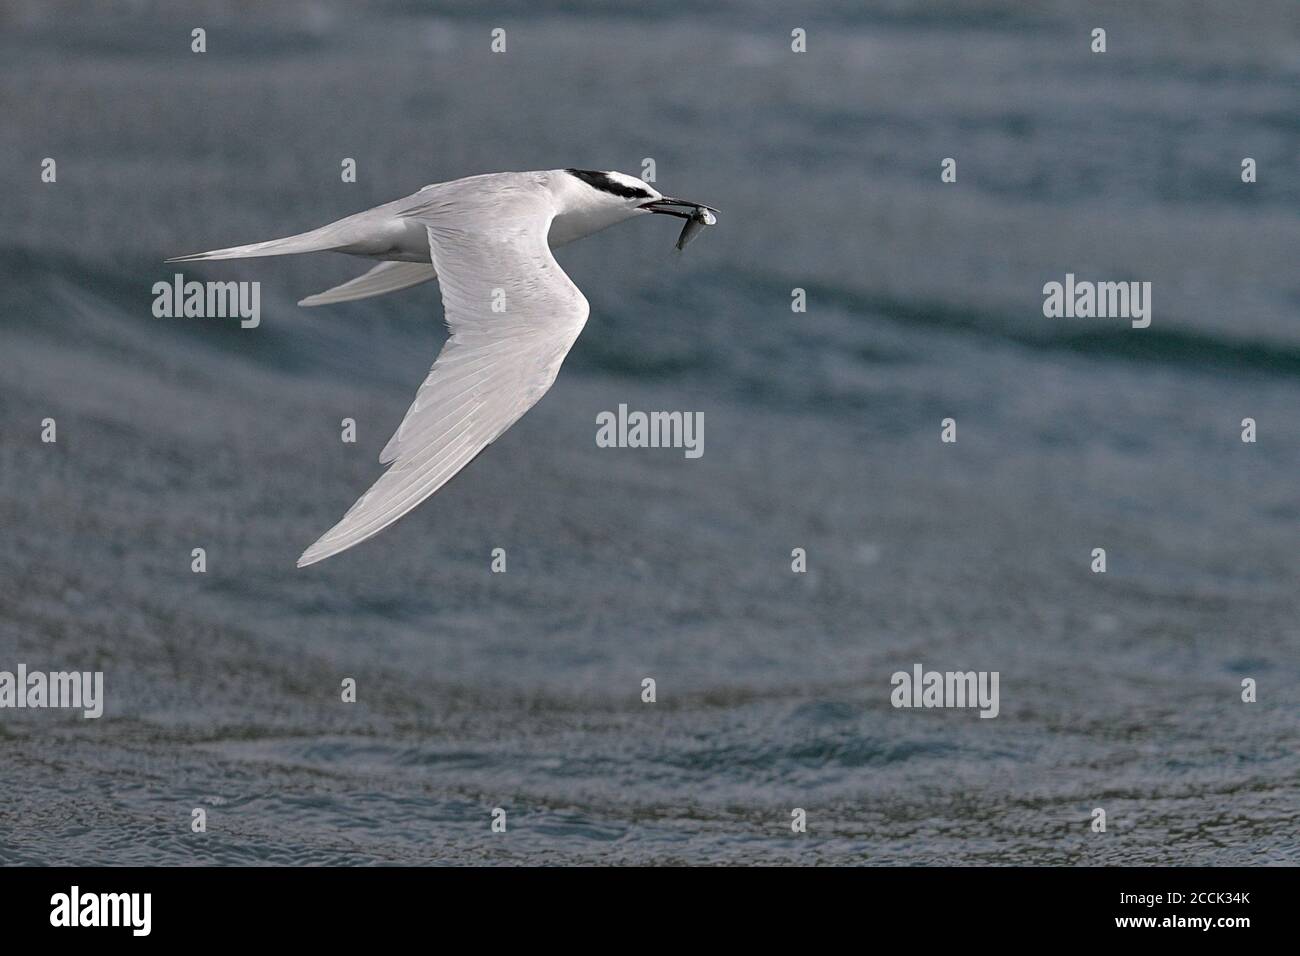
(697,216)
(694,224)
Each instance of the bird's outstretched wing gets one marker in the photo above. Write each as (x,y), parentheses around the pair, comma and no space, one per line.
(513,316)
(382,279)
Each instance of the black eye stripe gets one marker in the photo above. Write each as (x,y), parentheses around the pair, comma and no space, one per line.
(602,182)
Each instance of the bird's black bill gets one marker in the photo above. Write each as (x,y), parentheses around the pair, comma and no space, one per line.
(681,208)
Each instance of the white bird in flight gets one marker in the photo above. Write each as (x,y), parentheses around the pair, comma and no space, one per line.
(512,313)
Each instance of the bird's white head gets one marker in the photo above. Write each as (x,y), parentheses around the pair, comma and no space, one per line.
(591,200)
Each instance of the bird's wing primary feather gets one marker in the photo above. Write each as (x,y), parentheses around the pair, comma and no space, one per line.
(383,278)
(513,316)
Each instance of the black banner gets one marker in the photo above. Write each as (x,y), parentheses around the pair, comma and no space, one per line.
(925,905)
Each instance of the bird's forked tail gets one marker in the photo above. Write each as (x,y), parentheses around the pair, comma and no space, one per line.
(324,239)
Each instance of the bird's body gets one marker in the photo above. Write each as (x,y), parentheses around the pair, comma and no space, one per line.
(512,312)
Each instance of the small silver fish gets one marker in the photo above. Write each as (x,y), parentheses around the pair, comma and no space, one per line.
(699,219)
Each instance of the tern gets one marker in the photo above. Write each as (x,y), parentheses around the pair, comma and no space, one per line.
(511,311)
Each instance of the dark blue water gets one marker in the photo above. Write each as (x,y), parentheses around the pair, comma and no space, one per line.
(523,690)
